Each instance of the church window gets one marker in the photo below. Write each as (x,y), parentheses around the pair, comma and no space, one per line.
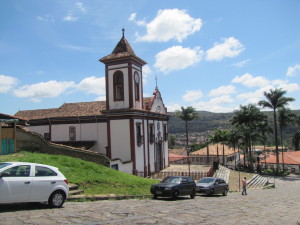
(165,133)
(118,80)
(139,136)
(72,133)
(151,133)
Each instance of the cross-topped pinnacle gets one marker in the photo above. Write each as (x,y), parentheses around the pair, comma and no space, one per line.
(156,82)
(123,31)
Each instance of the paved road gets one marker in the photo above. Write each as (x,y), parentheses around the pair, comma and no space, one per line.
(274,206)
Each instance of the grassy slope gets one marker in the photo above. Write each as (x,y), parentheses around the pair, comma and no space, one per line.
(91,177)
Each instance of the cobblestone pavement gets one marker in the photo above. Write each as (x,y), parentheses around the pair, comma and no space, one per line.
(272,206)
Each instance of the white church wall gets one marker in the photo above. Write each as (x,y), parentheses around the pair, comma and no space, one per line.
(120,139)
(60,132)
(118,104)
(139,150)
(40,129)
(124,167)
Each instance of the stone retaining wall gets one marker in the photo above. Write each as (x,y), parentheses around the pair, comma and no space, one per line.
(34,142)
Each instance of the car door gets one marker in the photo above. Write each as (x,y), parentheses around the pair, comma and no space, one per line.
(217,186)
(43,183)
(15,185)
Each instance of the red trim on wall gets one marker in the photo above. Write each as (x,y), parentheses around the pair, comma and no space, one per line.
(132,146)
(108,148)
(130,85)
(106,87)
(144,148)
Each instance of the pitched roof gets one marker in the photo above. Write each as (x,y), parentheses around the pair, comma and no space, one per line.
(292,158)
(66,110)
(213,150)
(122,50)
(175,157)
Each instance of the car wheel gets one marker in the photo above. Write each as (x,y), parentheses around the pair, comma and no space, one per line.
(57,199)
(155,196)
(193,194)
(225,192)
(175,195)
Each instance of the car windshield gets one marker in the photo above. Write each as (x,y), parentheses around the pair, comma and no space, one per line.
(172,180)
(2,165)
(207,180)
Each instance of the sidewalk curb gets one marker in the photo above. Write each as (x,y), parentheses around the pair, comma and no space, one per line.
(104,197)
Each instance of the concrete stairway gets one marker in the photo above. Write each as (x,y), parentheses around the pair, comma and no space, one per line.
(223,173)
(257,182)
(73,189)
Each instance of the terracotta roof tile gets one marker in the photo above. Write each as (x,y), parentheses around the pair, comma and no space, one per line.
(213,150)
(292,158)
(66,110)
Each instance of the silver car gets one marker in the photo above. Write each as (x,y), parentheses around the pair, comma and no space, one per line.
(31,182)
(212,185)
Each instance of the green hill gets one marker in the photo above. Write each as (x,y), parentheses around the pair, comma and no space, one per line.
(208,122)
(91,177)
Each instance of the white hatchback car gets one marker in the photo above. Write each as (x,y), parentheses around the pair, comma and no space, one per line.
(31,182)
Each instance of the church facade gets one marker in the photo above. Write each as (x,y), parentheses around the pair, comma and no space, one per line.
(132,131)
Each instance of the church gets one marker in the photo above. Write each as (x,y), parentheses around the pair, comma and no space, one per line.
(132,131)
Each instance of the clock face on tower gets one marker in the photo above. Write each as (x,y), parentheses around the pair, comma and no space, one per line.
(136,77)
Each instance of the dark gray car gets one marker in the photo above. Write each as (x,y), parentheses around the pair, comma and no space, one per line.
(212,185)
(173,186)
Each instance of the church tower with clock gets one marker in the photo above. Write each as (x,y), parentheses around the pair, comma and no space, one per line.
(123,76)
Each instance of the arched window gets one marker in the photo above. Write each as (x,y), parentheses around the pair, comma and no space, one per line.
(72,133)
(118,86)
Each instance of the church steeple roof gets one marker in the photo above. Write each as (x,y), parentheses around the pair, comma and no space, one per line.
(122,50)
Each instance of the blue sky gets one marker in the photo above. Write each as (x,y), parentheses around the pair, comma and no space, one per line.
(212,55)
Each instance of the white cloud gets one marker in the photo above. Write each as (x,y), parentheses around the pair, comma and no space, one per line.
(46,18)
(224,99)
(101,98)
(289,87)
(223,90)
(192,95)
(48,89)
(146,73)
(7,83)
(173,107)
(132,17)
(177,58)
(170,24)
(70,18)
(79,5)
(241,63)
(211,107)
(230,47)
(93,85)
(293,71)
(250,81)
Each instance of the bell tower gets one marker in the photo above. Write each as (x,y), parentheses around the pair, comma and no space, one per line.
(123,76)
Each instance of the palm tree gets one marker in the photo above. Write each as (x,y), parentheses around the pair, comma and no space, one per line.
(285,117)
(233,140)
(187,114)
(275,100)
(247,121)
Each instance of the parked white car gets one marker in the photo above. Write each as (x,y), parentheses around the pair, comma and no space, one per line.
(31,182)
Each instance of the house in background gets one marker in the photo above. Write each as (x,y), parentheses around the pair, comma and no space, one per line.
(8,133)
(213,153)
(291,160)
(130,130)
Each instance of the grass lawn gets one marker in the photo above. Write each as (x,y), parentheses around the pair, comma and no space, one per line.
(91,177)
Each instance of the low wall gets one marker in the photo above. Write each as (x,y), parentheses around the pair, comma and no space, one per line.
(34,142)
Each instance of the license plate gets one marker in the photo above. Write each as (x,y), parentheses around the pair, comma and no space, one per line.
(158,192)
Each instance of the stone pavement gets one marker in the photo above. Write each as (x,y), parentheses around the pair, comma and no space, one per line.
(271,206)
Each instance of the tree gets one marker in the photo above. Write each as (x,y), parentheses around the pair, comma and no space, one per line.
(233,140)
(187,114)
(247,121)
(275,99)
(296,140)
(285,117)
